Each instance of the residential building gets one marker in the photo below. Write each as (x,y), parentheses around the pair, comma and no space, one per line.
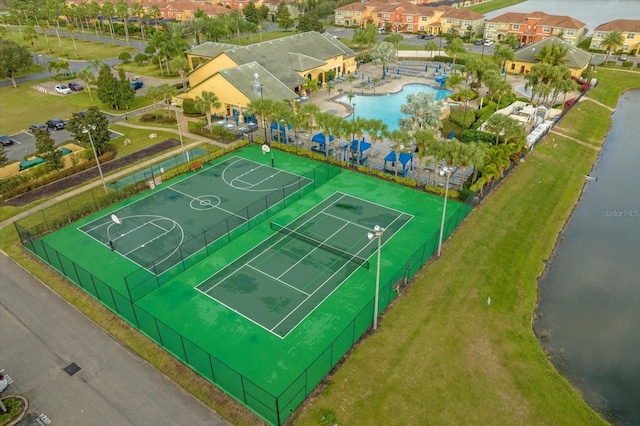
(577,60)
(406,17)
(276,69)
(630,29)
(534,26)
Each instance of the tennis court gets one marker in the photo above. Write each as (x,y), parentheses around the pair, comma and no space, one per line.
(157,232)
(281,281)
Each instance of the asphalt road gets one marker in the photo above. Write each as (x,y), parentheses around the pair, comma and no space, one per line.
(41,334)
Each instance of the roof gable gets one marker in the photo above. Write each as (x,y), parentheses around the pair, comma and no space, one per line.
(575,58)
(622,25)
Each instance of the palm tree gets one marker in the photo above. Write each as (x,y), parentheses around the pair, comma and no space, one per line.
(92,12)
(167,91)
(384,53)
(205,103)
(71,30)
(122,11)
(308,113)
(138,10)
(154,94)
(197,27)
(326,121)
(109,11)
(31,36)
(44,26)
(502,54)
(376,129)
(454,47)
(431,46)
(501,88)
(425,139)
(422,110)
(89,79)
(614,40)
(181,64)
(399,140)
(158,42)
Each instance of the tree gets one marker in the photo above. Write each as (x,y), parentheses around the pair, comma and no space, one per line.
(125,94)
(138,11)
(13,59)
(502,54)
(399,140)
(198,26)
(122,11)
(383,54)
(4,160)
(251,13)
(310,22)
(425,140)
(107,85)
(95,122)
(167,91)
(158,41)
(71,30)
(308,113)
(46,149)
(181,64)
(31,36)
(154,94)
(431,46)
(454,47)
(89,80)
(376,129)
(394,39)
(422,110)
(284,16)
(208,101)
(125,57)
(611,42)
(109,10)
(552,54)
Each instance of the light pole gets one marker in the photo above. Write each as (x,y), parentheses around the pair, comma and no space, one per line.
(444,171)
(377,233)
(184,153)
(95,154)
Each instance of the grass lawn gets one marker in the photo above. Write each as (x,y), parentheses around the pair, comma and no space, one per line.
(24,105)
(140,138)
(88,50)
(148,70)
(493,5)
(612,83)
(590,123)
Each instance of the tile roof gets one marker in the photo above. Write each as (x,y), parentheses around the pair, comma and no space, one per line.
(622,25)
(575,58)
(558,21)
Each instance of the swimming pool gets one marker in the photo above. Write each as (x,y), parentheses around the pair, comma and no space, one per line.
(387,107)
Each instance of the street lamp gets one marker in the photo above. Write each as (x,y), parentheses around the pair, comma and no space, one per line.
(377,233)
(95,154)
(184,153)
(444,171)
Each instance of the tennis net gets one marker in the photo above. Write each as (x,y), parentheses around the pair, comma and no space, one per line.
(321,244)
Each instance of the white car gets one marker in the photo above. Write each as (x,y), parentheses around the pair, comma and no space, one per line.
(3,381)
(488,43)
(63,89)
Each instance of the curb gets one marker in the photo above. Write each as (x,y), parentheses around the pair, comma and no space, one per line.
(25,401)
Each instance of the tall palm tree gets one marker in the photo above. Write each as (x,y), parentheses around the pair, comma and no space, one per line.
(138,11)
(122,11)
(425,139)
(71,30)
(326,121)
(611,42)
(376,129)
(109,10)
(205,103)
(502,54)
(181,64)
(422,111)
(89,80)
(167,91)
(93,11)
(158,42)
(308,113)
(454,47)
(197,27)
(431,46)
(399,140)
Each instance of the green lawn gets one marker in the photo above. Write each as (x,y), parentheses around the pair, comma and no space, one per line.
(147,69)
(590,123)
(88,50)
(140,138)
(612,83)
(24,105)
(493,5)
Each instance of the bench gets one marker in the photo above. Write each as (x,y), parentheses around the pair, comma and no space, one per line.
(398,286)
(195,166)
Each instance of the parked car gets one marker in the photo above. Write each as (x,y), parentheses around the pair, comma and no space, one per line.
(62,89)
(136,83)
(3,381)
(56,124)
(76,87)
(623,57)
(478,42)
(6,140)
(38,126)
(489,43)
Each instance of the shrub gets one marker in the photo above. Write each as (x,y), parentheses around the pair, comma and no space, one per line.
(452,193)
(189,108)
(157,118)
(473,135)
(140,58)
(462,117)
(125,57)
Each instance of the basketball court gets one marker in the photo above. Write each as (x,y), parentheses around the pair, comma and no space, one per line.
(158,231)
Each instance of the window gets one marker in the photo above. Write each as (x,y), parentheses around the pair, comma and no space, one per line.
(410,28)
(546,29)
(599,35)
(179,16)
(625,48)
(386,17)
(491,26)
(516,26)
(631,36)
(338,12)
(421,28)
(570,33)
(409,19)
(448,20)
(423,19)
(378,15)
(357,13)
(513,66)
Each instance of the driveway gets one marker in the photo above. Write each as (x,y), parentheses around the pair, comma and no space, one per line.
(41,335)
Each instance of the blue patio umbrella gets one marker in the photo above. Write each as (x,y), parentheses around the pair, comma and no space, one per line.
(363,76)
(398,71)
(368,79)
(426,67)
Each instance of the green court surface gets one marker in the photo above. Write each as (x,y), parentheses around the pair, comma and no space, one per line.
(267,315)
(156,232)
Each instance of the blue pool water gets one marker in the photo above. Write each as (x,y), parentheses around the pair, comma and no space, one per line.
(387,107)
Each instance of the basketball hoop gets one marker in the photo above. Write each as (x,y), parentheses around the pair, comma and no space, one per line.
(116,219)
(265,149)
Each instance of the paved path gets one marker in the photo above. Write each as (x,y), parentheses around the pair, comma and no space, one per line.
(41,334)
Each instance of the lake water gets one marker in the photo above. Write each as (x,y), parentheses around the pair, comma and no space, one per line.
(589,307)
(591,12)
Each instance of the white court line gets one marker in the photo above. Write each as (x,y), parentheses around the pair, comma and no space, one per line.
(327,280)
(152,240)
(375,204)
(294,183)
(255,257)
(342,219)
(277,279)
(215,207)
(315,248)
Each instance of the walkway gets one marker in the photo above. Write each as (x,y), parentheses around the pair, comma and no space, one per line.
(578,141)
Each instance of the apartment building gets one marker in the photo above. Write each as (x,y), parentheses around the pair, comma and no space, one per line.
(534,26)
(630,29)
